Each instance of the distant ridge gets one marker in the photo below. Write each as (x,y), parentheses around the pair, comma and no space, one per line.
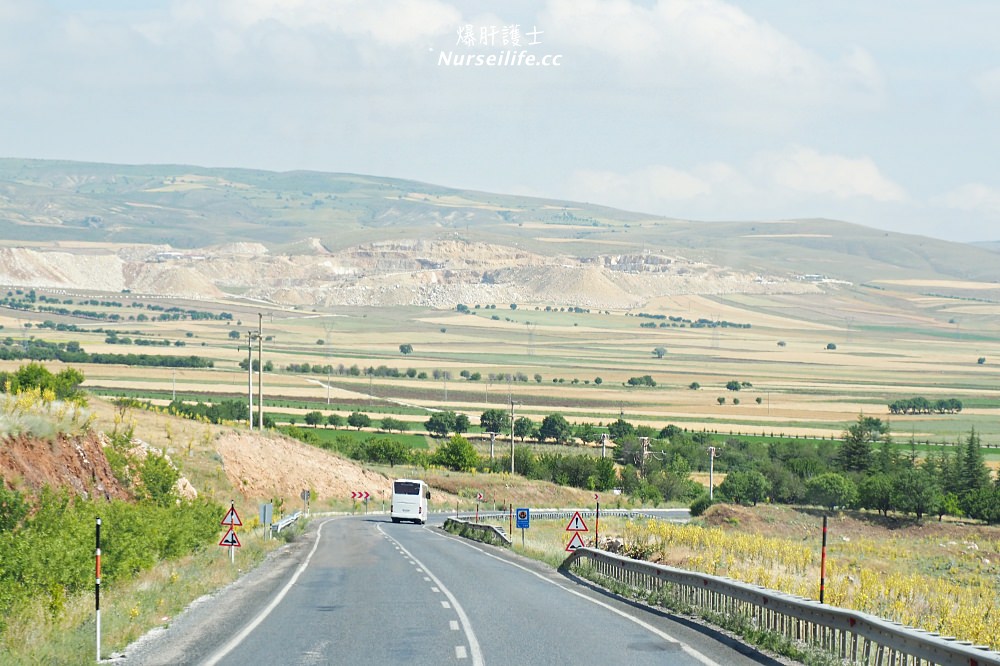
(45,202)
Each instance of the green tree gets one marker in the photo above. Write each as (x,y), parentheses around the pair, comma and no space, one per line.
(587,432)
(440,423)
(523,427)
(745,487)
(389,424)
(983,504)
(335,420)
(855,454)
(159,480)
(462,424)
(406,349)
(457,454)
(831,490)
(733,385)
(916,491)
(313,418)
(555,426)
(495,420)
(605,475)
(659,352)
(875,492)
(383,450)
(359,420)
(65,385)
(620,429)
(974,472)
(524,462)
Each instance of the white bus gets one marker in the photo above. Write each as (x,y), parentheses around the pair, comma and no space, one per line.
(409,501)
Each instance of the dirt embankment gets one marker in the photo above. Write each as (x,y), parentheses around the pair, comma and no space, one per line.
(76,462)
(271,466)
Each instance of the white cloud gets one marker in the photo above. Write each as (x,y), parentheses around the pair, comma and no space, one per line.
(795,182)
(387,22)
(806,171)
(711,43)
(652,188)
(973,197)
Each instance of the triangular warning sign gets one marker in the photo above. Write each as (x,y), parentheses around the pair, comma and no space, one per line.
(575,542)
(230,539)
(576,524)
(232,518)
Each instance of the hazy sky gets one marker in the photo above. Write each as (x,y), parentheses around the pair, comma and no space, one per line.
(885,113)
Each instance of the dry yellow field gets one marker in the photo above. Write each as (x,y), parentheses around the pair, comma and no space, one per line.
(814,362)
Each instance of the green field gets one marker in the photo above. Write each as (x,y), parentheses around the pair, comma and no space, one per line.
(579,363)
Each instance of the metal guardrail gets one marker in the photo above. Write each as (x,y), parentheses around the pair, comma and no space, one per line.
(553,514)
(857,637)
(285,522)
(482,528)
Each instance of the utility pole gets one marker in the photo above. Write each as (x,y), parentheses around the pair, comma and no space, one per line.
(260,372)
(512,435)
(250,378)
(711,471)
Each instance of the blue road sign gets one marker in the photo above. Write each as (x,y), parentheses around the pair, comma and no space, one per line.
(523,518)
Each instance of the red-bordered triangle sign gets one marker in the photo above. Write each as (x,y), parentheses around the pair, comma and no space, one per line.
(230,539)
(232,518)
(575,542)
(576,524)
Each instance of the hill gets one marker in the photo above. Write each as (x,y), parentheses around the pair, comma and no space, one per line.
(317,239)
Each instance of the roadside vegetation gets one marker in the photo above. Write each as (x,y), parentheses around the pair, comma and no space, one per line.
(157,546)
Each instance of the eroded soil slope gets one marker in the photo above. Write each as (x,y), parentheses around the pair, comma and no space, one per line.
(75,462)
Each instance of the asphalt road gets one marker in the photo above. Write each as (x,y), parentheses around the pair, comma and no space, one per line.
(361,590)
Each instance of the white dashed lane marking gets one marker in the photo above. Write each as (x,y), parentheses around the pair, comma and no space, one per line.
(461,652)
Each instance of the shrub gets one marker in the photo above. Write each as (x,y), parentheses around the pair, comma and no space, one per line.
(700,504)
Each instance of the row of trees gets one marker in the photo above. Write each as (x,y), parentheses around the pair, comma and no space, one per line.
(921,405)
(71,352)
(866,471)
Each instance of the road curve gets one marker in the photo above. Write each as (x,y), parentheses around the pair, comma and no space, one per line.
(367,591)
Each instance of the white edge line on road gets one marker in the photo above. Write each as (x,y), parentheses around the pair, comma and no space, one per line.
(241,636)
(477,653)
(645,625)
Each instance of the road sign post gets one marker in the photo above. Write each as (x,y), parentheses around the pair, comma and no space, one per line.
(576,526)
(266,515)
(358,495)
(523,521)
(232,519)
(479,498)
(597,522)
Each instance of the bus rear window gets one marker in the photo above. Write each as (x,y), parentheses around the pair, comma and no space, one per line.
(406,488)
